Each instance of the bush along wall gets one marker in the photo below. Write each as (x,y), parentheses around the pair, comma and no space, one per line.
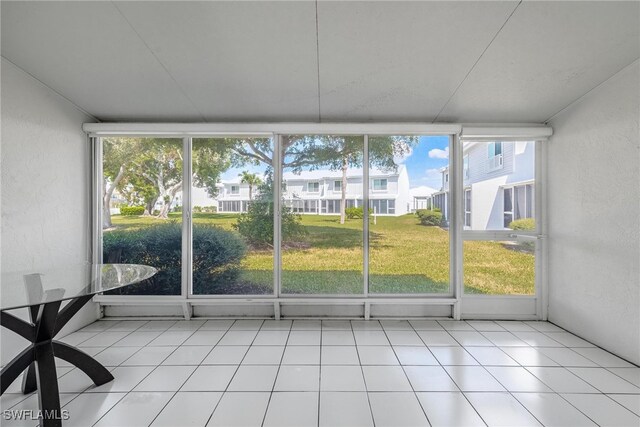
(131,210)
(217,254)
(430,218)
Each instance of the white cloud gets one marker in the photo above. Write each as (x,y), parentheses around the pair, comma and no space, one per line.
(437,153)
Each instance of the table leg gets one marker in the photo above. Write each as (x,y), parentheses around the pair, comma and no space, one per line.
(39,358)
(48,394)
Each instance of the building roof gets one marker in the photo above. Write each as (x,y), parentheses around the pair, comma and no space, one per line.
(422,191)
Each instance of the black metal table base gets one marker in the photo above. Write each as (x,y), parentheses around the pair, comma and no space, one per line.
(38,360)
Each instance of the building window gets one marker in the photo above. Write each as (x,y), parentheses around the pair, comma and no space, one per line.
(337,185)
(495,156)
(382,207)
(508,207)
(467,207)
(465,163)
(235,189)
(380,184)
(284,187)
(313,187)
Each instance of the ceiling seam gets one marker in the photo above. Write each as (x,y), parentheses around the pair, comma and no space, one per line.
(166,70)
(318,63)
(476,62)
(76,106)
(578,99)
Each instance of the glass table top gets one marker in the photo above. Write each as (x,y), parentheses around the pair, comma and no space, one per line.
(26,288)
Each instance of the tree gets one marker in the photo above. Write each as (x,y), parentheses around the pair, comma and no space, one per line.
(342,152)
(150,169)
(336,152)
(251,179)
(117,156)
(256,225)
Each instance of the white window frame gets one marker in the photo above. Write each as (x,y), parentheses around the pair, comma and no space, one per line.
(313,191)
(495,161)
(337,187)
(380,190)
(467,207)
(514,306)
(188,305)
(524,185)
(465,166)
(234,193)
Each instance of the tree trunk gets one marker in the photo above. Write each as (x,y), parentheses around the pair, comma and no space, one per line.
(171,193)
(148,209)
(250,192)
(343,201)
(106,198)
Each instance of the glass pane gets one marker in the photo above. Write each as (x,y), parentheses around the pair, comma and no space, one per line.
(142,210)
(499,268)
(322,248)
(408,241)
(499,184)
(232,198)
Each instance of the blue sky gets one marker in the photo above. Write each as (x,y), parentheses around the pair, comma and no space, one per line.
(431,154)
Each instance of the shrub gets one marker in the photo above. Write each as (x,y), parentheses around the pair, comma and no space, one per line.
(131,210)
(420,212)
(527,224)
(216,257)
(430,218)
(354,213)
(256,225)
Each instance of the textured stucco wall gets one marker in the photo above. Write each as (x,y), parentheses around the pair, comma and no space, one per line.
(594,216)
(45,184)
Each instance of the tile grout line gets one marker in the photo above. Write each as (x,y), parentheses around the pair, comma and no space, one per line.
(449,375)
(237,368)
(275,380)
(415,395)
(190,375)
(146,376)
(234,373)
(364,380)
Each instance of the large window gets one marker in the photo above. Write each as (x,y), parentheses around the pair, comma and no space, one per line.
(359,215)
(322,241)
(142,210)
(408,250)
(499,200)
(232,247)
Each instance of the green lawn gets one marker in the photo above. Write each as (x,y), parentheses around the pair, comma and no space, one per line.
(405,257)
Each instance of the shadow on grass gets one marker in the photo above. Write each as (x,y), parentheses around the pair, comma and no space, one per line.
(326,237)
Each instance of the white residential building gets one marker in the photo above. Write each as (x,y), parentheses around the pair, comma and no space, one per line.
(319,192)
(498,184)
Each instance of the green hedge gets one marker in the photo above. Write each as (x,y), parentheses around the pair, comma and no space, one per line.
(216,257)
(430,218)
(131,210)
(421,212)
(526,224)
(354,213)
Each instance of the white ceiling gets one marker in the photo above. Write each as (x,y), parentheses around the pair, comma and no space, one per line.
(328,61)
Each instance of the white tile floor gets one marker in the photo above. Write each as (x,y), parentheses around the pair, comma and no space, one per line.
(342,373)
